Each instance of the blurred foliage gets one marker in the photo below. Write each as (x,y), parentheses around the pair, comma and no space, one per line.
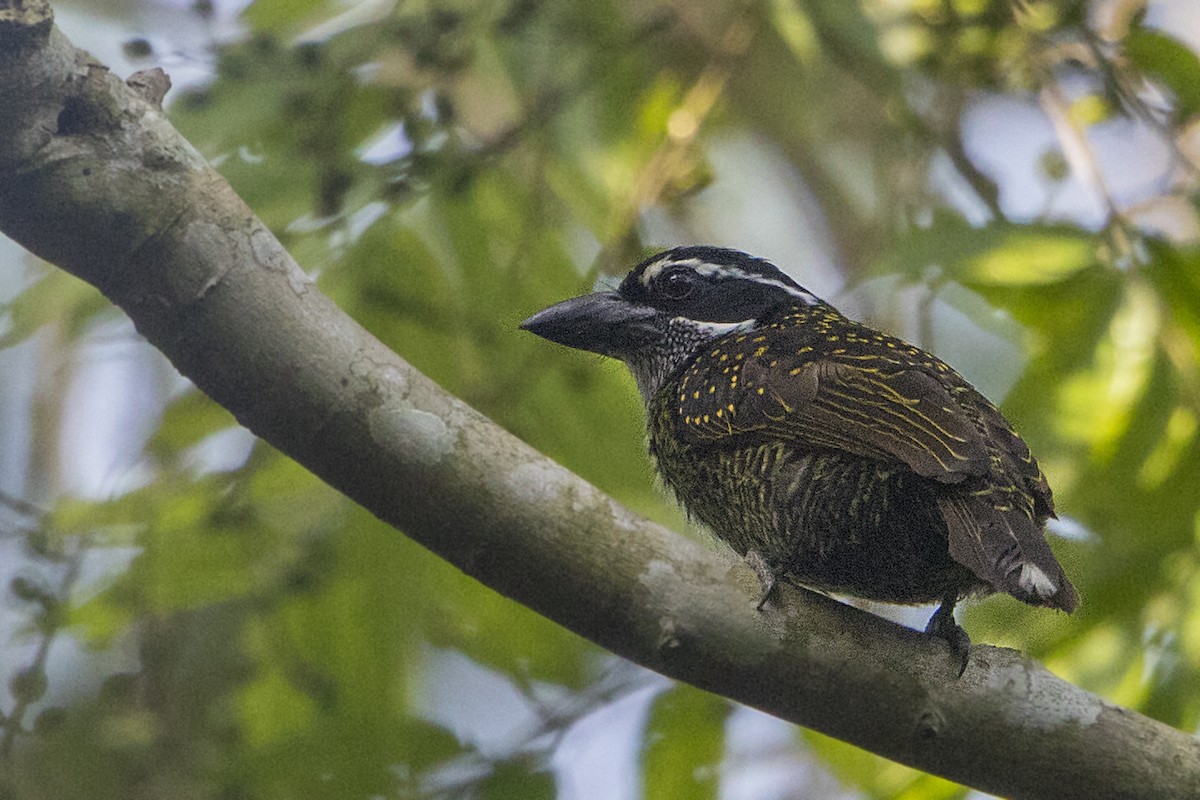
(445,168)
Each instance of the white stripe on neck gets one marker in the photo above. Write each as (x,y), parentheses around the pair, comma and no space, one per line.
(719,328)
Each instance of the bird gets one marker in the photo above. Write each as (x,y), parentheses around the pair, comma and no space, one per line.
(824,452)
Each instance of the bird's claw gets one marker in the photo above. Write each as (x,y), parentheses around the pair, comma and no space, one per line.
(943,626)
(767,577)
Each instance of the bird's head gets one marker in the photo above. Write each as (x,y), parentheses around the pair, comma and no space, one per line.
(669,307)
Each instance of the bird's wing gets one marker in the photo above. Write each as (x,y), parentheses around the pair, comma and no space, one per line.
(891,413)
(1016,460)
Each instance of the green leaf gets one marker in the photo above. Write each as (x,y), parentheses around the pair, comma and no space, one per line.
(511,780)
(1000,254)
(275,15)
(1170,61)
(1175,274)
(1089,110)
(685,740)
(1027,256)
(271,709)
(57,297)
(877,776)
(186,421)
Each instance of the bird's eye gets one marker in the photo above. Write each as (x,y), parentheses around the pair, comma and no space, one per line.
(676,284)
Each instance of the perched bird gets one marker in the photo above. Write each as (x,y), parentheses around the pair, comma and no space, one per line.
(823,451)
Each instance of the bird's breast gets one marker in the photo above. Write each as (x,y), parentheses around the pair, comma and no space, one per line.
(829,520)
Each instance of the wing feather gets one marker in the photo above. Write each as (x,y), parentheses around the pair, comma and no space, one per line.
(891,414)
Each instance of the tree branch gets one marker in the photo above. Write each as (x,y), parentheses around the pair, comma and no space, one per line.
(94,179)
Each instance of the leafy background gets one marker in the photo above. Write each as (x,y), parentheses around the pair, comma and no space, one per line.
(1010,184)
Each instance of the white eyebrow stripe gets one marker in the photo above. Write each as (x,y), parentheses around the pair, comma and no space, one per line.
(724,271)
(807,298)
(651,272)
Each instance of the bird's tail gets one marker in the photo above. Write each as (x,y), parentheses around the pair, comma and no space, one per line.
(1006,548)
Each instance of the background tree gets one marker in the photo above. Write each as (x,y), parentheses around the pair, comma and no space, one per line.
(444,169)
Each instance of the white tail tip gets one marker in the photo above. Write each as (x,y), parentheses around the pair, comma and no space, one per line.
(1035,581)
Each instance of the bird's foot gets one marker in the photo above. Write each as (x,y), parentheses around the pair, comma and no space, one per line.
(943,626)
(767,578)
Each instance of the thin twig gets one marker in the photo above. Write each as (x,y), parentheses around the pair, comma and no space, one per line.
(13,721)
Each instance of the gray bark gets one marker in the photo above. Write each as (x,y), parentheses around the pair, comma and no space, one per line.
(95,180)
